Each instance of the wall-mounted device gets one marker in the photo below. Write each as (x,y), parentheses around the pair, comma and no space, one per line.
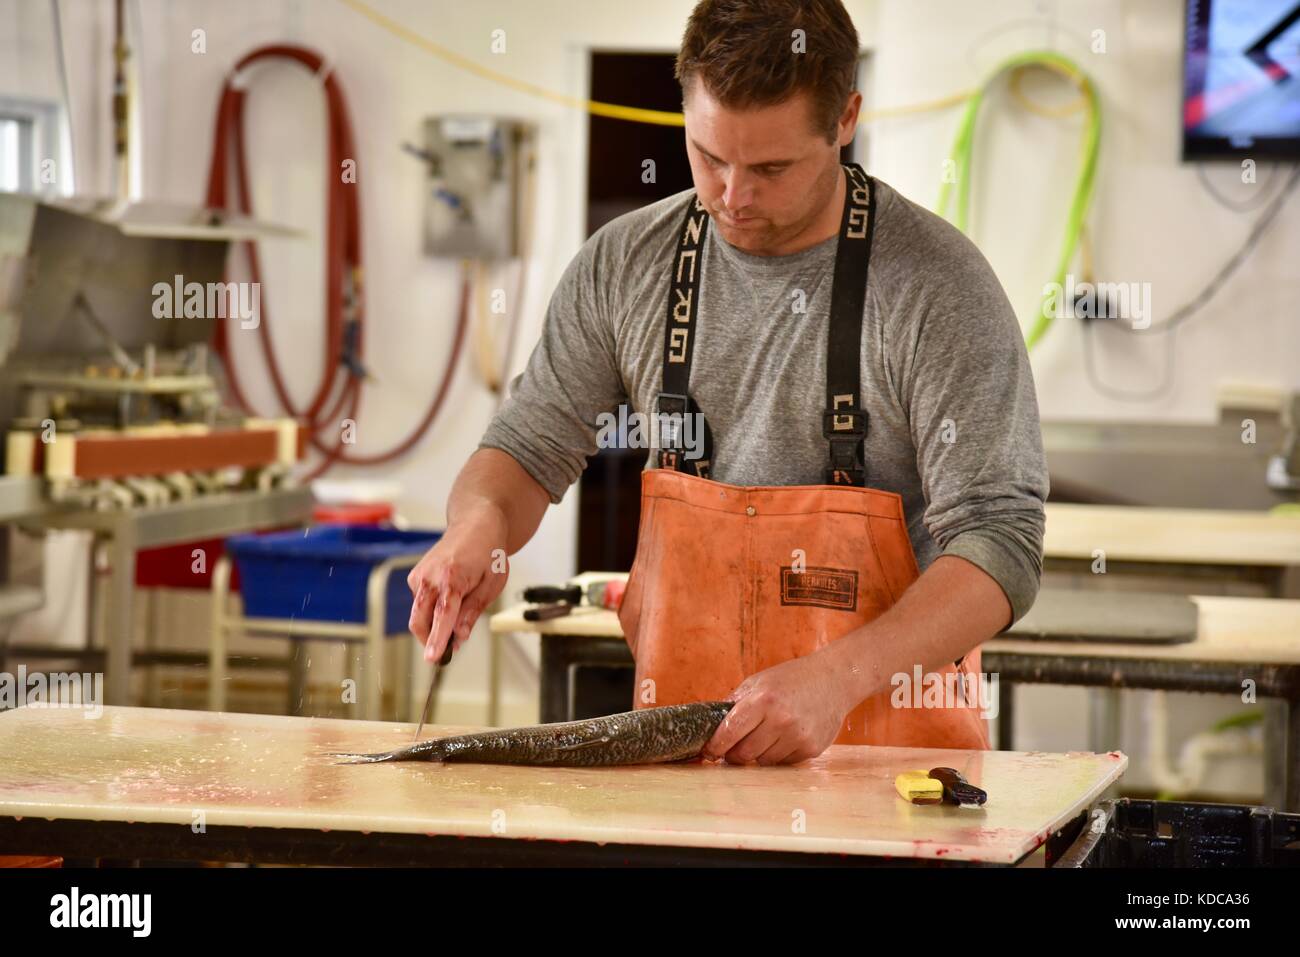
(475,168)
(1241,79)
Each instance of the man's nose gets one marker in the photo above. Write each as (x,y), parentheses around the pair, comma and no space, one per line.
(738,191)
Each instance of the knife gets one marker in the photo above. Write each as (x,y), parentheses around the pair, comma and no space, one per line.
(957,790)
(601,594)
(546,612)
(433,683)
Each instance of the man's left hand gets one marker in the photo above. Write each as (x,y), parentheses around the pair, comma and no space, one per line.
(783,715)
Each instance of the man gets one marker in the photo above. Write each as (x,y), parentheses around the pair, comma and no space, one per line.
(869,406)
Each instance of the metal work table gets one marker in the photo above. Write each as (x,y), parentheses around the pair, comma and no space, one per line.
(20,497)
(1173,542)
(149,783)
(1191,549)
(128,531)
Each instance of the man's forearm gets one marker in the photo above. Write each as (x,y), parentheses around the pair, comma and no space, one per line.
(494,491)
(950,609)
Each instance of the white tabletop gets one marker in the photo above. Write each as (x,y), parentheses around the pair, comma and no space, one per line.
(161,766)
(1172,535)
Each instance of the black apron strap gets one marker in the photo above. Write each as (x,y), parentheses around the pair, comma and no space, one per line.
(674,403)
(844,422)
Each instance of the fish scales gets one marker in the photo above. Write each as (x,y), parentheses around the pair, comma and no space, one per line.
(649,736)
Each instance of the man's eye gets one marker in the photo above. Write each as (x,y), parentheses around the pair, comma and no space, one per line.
(772,171)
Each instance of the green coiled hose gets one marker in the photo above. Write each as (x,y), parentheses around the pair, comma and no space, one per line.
(960,158)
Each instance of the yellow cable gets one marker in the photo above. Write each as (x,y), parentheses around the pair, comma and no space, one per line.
(660,117)
(1069,109)
(927,106)
(616,111)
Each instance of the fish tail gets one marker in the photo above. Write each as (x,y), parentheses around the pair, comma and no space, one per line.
(362,758)
(424,751)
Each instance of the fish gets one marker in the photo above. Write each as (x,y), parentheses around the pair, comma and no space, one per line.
(676,732)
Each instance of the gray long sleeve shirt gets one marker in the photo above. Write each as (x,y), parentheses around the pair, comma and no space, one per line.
(953,418)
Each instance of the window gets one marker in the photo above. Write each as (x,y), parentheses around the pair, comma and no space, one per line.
(30,135)
(15,154)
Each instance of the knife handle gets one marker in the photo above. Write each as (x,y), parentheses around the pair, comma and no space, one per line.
(547,612)
(446,653)
(551,593)
(956,789)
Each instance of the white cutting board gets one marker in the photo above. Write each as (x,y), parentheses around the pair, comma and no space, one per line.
(154,765)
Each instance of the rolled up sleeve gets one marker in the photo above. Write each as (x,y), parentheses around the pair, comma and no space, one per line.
(548,424)
(973,412)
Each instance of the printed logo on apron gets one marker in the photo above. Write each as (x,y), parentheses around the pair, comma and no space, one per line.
(820,586)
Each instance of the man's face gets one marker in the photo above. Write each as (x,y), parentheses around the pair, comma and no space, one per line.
(764,174)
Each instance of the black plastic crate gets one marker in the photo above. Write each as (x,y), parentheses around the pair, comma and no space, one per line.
(1131,833)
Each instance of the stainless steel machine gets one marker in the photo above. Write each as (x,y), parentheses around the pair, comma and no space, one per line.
(109,403)
(105,388)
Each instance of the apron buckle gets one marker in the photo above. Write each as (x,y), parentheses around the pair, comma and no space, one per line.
(846,464)
(846,429)
(671,419)
(856,477)
(671,403)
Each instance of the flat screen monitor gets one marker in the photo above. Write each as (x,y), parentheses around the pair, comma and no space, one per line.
(1241,79)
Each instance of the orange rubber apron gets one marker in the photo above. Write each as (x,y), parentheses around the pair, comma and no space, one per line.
(729,581)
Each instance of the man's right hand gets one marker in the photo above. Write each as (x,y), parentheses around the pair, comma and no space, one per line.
(456,579)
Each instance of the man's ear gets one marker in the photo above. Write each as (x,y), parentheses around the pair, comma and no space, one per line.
(847,127)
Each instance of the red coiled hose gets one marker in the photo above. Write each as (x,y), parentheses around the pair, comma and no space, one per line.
(344,300)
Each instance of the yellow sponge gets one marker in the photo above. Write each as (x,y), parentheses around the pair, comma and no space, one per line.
(919,788)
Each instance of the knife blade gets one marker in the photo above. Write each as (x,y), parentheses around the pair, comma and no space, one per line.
(433,683)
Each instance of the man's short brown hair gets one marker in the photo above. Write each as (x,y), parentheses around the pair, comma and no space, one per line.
(746,53)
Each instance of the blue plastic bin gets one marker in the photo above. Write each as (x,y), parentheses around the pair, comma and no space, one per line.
(320,573)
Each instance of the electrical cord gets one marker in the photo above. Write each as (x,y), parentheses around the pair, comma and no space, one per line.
(1162,388)
(1229,204)
(1194,305)
(1187,311)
